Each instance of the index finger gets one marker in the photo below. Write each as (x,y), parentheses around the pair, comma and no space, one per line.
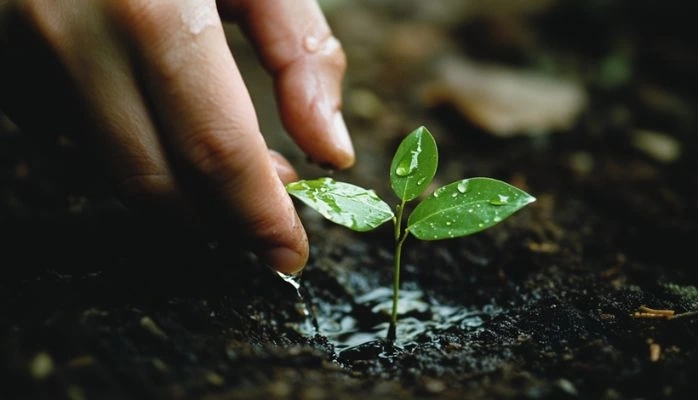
(209,126)
(296,45)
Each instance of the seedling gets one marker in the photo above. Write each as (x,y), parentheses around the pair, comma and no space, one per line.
(458,209)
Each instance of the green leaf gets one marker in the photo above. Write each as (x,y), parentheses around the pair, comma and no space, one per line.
(345,204)
(465,207)
(414,164)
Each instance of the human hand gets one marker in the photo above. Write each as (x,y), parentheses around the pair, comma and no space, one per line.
(156,86)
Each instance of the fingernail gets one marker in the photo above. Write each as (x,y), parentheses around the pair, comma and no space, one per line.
(342,140)
(284,259)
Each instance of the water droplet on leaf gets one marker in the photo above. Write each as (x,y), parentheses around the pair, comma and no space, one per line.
(408,165)
(401,170)
(462,187)
(500,200)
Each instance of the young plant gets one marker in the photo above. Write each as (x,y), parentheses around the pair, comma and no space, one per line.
(458,209)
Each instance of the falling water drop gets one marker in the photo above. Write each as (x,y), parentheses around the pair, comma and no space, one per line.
(310,322)
(293,280)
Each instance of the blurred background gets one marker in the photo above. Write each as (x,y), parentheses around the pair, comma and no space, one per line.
(487,73)
(491,79)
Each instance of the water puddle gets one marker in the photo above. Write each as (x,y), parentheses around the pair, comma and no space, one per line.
(417,316)
(351,325)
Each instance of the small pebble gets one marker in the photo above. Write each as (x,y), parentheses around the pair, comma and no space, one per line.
(75,393)
(567,386)
(434,386)
(658,145)
(279,389)
(160,365)
(41,366)
(148,324)
(214,378)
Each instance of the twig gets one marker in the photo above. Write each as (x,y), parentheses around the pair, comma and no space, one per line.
(684,315)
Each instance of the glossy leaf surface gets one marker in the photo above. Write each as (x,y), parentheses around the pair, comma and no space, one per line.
(414,164)
(345,204)
(465,207)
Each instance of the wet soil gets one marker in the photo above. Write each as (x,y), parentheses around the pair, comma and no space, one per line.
(100,302)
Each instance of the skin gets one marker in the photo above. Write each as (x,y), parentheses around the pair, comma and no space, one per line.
(155,90)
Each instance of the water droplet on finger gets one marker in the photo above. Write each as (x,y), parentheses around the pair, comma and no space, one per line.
(311,44)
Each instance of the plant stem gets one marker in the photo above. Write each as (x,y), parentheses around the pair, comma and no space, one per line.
(398,220)
(399,240)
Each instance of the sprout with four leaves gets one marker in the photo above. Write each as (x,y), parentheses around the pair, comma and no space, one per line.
(458,209)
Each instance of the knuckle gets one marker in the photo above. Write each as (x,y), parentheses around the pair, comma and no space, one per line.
(146,188)
(336,56)
(168,31)
(326,53)
(216,154)
(149,22)
(141,14)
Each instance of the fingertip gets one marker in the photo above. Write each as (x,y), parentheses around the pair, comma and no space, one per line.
(337,151)
(283,244)
(345,156)
(284,259)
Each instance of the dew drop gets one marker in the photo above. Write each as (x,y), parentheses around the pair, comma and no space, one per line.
(408,165)
(410,162)
(462,186)
(500,200)
(401,171)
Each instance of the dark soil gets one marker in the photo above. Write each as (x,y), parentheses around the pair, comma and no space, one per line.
(99,302)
